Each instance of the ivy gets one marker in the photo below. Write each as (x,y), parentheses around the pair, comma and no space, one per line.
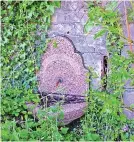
(24,26)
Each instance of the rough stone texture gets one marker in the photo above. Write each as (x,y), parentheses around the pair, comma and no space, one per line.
(71,111)
(129,97)
(62,63)
(69,21)
(129,113)
(76,111)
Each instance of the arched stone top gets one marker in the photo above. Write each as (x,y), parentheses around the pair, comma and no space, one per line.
(60,62)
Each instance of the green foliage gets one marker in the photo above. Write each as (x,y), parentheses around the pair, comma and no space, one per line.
(24,25)
(104,115)
(64,130)
(30,130)
(131,14)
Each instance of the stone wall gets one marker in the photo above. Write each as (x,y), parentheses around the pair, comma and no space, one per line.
(69,21)
(129,90)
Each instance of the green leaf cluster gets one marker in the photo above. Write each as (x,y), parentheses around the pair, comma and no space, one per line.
(24,25)
(104,115)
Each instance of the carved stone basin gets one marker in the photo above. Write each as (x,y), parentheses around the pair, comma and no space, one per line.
(62,74)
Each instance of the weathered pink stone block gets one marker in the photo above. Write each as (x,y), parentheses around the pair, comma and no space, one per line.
(62,71)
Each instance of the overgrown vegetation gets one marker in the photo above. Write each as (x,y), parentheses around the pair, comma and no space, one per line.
(21,24)
(104,119)
(105,113)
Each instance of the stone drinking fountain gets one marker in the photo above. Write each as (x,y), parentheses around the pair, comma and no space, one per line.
(62,75)
(68,56)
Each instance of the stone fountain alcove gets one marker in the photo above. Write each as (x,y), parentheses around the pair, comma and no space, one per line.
(69,21)
(63,75)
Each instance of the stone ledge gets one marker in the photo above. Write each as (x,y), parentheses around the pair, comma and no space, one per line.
(128,97)
(128,85)
(128,113)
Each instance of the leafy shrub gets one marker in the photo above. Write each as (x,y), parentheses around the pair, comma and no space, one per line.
(21,24)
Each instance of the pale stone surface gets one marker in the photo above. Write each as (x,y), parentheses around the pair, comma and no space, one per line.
(128,84)
(84,48)
(71,18)
(131,25)
(94,61)
(73,111)
(130,114)
(131,31)
(125,50)
(129,97)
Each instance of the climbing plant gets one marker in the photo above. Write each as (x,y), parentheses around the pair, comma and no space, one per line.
(24,25)
(105,119)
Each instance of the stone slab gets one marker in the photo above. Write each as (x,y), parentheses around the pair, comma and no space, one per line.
(126,33)
(125,50)
(128,97)
(73,5)
(128,85)
(129,114)
(60,62)
(77,110)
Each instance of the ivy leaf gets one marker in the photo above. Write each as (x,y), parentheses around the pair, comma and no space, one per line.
(23,45)
(64,130)
(111,5)
(57,4)
(24,133)
(30,15)
(100,33)
(51,8)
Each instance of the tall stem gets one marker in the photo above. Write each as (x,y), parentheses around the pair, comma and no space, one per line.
(128,28)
